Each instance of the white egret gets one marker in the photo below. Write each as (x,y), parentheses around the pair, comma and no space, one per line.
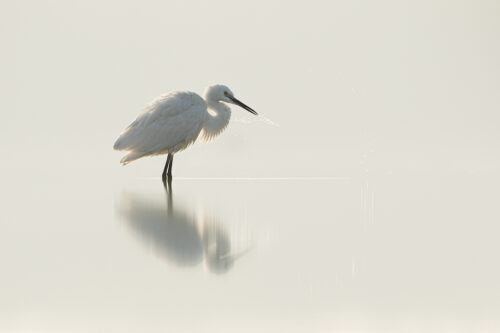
(173,121)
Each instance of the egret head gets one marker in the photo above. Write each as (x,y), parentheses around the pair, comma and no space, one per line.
(221,93)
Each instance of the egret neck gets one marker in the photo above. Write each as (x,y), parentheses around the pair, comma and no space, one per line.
(217,119)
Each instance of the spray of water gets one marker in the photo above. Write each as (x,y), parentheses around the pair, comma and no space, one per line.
(258,119)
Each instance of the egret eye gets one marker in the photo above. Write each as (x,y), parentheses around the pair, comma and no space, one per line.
(226,94)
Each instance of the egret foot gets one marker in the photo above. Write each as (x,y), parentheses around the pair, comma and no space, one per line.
(167,181)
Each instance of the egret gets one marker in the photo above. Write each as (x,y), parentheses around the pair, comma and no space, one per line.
(175,120)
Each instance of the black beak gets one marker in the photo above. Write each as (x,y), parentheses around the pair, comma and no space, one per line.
(246,107)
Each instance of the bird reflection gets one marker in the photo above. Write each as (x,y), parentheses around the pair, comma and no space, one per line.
(181,236)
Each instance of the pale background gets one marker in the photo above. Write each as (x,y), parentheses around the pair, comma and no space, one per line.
(380,141)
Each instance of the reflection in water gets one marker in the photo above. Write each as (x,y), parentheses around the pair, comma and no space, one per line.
(181,236)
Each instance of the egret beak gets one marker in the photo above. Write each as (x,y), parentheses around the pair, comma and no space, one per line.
(246,107)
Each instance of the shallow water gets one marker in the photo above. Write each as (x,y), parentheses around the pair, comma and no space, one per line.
(364,252)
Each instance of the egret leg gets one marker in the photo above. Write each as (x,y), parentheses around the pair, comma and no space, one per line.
(168,188)
(165,169)
(169,173)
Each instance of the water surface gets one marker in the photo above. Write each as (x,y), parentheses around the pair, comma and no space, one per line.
(384,252)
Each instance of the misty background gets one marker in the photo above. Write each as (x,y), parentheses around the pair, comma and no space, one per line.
(351,85)
(364,198)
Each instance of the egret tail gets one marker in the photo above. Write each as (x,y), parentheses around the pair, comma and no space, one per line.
(132,156)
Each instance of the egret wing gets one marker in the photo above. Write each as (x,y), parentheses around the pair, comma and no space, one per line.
(170,122)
